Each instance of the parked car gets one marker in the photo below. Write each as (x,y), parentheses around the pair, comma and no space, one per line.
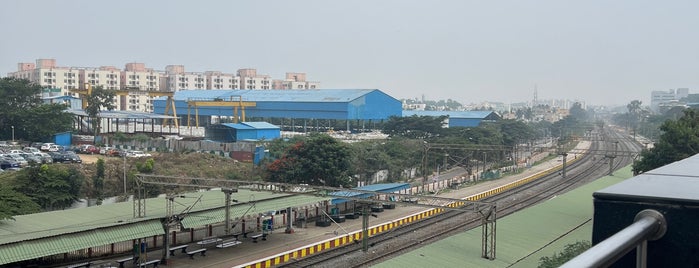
(56,148)
(46,158)
(8,164)
(138,154)
(19,159)
(58,157)
(88,149)
(31,150)
(72,157)
(105,150)
(32,158)
(36,145)
(46,146)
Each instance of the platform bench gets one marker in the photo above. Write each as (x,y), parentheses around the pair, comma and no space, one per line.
(153,262)
(245,235)
(84,264)
(194,252)
(209,240)
(228,243)
(122,261)
(255,237)
(182,247)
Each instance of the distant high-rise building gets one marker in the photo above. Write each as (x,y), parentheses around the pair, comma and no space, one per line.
(660,97)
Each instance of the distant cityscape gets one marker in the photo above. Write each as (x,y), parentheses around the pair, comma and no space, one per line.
(63,80)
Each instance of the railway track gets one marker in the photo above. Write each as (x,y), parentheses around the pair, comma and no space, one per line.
(592,165)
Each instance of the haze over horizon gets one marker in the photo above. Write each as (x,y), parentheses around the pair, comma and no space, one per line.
(600,52)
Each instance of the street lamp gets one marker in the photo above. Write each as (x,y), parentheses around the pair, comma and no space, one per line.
(125,194)
(13,134)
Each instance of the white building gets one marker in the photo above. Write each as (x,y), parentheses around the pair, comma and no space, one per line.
(295,81)
(219,80)
(249,79)
(670,96)
(137,76)
(108,77)
(48,75)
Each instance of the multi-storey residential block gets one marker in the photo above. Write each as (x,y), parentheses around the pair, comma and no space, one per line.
(178,79)
(249,79)
(295,81)
(137,76)
(219,80)
(108,77)
(48,75)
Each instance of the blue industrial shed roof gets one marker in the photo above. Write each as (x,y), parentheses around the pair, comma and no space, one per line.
(306,95)
(451,114)
(251,125)
(342,104)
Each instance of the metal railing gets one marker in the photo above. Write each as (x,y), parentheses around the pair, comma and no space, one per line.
(648,225)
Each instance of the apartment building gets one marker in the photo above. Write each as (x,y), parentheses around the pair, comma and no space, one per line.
(137,76)
(249,79)
(48,75)
(108,77)
(295,81)
(219,80)
(178,79)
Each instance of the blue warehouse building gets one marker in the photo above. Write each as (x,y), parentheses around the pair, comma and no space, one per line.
(293,109)
(459,118)
(229,132)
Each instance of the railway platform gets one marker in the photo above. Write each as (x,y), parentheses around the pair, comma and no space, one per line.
(246,252)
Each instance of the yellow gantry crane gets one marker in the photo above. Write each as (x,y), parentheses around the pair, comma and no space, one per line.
(170,105)
(234,101)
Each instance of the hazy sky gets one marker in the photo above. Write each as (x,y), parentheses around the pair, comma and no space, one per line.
(601,52)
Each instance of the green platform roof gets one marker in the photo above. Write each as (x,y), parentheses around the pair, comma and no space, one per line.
(48,233)
(522,238)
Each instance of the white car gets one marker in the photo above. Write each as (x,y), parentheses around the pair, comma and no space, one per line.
(55,148)
(138,154)
(46,146)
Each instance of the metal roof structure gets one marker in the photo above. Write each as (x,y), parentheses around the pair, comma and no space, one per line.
(381,187)
(523,237)
(121,114)
(340,104)
(251,125)
(450,114)
(43,234)
(458,118)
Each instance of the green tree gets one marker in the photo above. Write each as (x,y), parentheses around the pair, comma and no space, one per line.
(50,186)
(13,203)
(97,100)
(679,140)
(320,160)
(568,253)
(21,107)
(577,112)
(98,179)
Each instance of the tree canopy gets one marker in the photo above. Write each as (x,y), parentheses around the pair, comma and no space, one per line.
(318,160)
(50,186)
(21,107)
(97,100)
(679,140)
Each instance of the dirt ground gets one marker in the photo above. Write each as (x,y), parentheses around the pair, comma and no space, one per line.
(90,158)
